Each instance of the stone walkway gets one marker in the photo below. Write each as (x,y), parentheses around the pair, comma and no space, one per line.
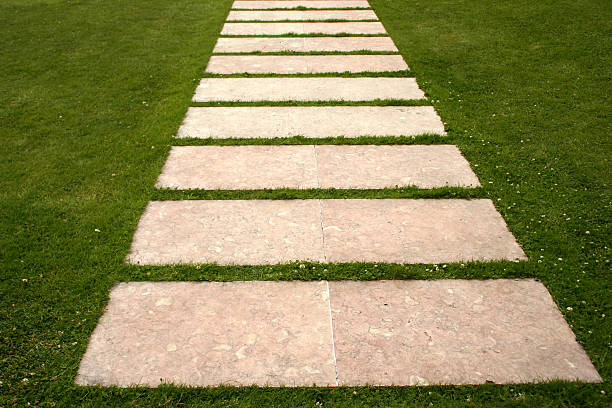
(322,333)
(332,333)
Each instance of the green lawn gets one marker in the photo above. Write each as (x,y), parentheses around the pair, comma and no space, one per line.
(92,92)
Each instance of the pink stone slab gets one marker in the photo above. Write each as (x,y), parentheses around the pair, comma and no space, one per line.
(302,28)
(415,231)
(254,232)
(303,64)
(302,166)
(452,332)
(251,232)
(316,4)
(306,89)
(239,167)
(297,15)
(304,44)
(212,333)
(309,121)
(390,166)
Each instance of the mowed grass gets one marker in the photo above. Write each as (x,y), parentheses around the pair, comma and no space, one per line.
(93,91)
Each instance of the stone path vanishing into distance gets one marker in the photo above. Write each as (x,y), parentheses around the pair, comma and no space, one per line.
(324,333)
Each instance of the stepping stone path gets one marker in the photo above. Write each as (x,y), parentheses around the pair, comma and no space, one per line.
(302,28)
(310,121)
(323,333)
(304,166)
(306,89)
(303,64)
(332,333)
(305,44)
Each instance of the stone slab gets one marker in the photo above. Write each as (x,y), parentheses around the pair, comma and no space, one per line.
(239,167)
(309,121)
(249,232)
(298,15)
(452,332)
(304,44)
(253,232)
(212,333)
(302,166)
(416,231)
(302,28)
(367,167)
(303,64)
(288,4)
(306,89)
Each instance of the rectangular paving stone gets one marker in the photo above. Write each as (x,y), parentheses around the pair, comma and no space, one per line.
(303,64)
(304,44)
(249,232)
(309,121)
(306,89)
(363,166)
(452,332)
(253,232)
(239,167)
(287,4)
(212,333)
(302,166)
(302,28)
(298,15)
(415,231)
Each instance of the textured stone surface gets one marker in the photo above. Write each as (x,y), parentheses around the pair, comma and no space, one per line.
(239,167)
(228,232)
(389,166)
(304,44)
(302,28)
(297,15)
(452,332)
(212,333)
(415,231)
(384,333)
(306,89)
(259,167)
(316,4)
(309,121)
(255,232)
(303,64)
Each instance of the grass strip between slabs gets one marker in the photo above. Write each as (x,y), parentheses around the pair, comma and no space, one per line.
(346,74)
(357,52)
(377,102)
(314,193)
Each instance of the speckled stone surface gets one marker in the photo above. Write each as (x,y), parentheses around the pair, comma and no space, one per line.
(212,333)
(302,166)
(239,167)
(280,333)
(309,121)
(298,15)
(359,166)
(254,232)
(416,231)
(306,89)
(452,332)
(313,4)
(304,44)
(250,232)
(302,28)
(303,64)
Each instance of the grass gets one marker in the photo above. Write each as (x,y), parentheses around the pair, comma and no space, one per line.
(94,90)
